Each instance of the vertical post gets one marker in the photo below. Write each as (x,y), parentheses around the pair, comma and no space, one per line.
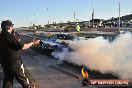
(119,16)
(34,19)
(48,16)
(93,11)
(74,16)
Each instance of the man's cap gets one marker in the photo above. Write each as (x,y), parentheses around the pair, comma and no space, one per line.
(6,23)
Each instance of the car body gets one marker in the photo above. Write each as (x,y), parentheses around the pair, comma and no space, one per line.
(57,42)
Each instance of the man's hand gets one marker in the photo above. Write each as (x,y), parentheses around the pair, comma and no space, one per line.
(36,41)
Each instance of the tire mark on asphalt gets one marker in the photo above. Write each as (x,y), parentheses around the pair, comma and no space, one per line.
(32,81)
(64,71)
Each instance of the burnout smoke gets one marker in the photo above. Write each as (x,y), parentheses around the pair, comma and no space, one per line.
(99,54)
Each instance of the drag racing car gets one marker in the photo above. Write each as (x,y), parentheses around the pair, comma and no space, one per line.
(57,42)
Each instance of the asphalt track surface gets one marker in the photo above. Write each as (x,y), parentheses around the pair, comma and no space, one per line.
(46,72)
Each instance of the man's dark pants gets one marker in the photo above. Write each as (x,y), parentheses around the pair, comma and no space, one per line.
(14,72)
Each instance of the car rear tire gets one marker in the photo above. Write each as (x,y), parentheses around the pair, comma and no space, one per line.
(57,49)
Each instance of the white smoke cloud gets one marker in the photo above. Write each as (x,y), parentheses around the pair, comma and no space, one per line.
(99,54)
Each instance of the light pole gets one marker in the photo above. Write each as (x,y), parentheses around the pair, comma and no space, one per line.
(47,9)
(34,19)
(93,11)
(119,16)
(74,16)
